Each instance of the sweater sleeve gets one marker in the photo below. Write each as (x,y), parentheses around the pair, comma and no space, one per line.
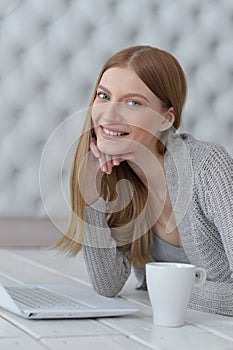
(108,267)
(216,296)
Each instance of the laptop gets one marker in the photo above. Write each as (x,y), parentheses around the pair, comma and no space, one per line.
(54,301)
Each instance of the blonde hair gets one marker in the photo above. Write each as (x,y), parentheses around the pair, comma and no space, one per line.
(163,75)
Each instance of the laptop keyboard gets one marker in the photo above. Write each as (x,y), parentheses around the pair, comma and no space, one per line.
(42,298)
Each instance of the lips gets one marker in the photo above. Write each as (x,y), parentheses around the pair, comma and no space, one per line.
(113,133)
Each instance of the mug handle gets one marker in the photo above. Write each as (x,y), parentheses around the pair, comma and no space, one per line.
(200,276)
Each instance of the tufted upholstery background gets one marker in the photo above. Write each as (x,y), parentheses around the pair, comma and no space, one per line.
(50,56)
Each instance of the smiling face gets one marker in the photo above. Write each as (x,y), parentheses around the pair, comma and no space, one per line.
(126,114)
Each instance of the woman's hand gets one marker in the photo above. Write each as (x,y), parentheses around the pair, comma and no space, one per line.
(94,166)
(107,162)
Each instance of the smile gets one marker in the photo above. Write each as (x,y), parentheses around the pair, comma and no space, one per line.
(110,132)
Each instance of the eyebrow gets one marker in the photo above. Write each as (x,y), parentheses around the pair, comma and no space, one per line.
(130,94)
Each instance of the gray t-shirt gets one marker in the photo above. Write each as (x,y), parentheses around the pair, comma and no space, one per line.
(162,251)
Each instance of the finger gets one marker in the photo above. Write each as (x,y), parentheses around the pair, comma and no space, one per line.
(95,150)
(122,157)
(102,162)
(99,155)
(105,163)
(127,156)
(109,163)
(116,161)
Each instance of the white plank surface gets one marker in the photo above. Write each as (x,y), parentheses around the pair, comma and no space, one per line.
(136,331)
(22,343)
(55,328)
(118,342)
(12,338)
(169,338)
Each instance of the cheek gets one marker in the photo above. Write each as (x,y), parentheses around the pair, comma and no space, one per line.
(94,118)
(95,123)
(149,128)
(148,122)
(95,113)
(140,136)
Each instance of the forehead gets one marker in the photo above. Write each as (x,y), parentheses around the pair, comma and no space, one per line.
(123,79)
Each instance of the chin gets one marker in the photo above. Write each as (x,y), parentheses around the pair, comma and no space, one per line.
(112,148)
(105,148)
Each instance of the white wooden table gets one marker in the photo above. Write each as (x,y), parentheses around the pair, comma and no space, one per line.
(136,331)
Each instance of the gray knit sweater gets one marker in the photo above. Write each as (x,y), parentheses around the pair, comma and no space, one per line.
(200,183)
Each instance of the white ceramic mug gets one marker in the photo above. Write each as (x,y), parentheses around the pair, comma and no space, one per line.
(170,287)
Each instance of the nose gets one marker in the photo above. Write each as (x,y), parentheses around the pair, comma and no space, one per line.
(111,112)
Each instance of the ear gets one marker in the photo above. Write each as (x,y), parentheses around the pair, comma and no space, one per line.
(168,120)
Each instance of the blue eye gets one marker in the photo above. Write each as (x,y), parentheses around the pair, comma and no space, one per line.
(133,103)
(102,96)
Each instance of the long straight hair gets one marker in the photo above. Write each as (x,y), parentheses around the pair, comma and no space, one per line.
(163,75)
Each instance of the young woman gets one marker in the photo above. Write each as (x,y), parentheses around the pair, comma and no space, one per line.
(142,192)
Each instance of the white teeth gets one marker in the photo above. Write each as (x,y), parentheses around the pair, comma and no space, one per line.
(112,133)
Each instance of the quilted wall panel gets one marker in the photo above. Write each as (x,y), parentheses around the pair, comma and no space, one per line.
(50,55)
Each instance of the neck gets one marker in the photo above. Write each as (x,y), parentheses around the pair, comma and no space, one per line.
(148,165)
